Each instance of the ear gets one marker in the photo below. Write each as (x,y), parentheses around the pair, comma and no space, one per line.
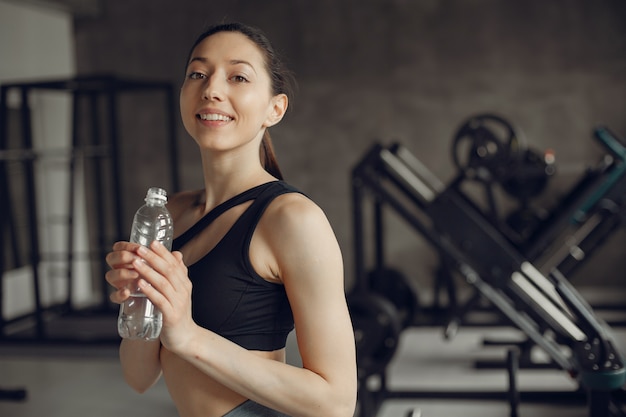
(278,107)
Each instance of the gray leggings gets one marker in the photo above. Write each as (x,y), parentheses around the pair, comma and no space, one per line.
(251,409)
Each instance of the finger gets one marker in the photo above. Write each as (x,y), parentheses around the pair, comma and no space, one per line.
(178,255)
(170,265)
(150,275)
(122,255)
(158,257)
(121,278)
(160,249)
(120,259)
(124,245)
(154,295)
(118,297)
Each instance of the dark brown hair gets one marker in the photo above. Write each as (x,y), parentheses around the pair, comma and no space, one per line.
(282,79)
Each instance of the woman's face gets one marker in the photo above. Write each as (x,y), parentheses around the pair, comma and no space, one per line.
(226,99)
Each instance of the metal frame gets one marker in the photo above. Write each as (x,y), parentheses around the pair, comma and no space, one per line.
(498,271)
(92,146)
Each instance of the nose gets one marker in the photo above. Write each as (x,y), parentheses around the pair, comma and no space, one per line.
(213,89)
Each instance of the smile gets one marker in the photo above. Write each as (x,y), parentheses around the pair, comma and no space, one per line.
(214,117)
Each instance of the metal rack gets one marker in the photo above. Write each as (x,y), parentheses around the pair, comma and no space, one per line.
(98,97)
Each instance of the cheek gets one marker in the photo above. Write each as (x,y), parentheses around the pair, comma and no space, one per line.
(187,119)
(256,104)
(185,108)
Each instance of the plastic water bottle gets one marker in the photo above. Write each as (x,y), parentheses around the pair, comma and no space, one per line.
(138,317)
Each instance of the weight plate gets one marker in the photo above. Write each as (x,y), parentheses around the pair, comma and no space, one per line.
(393,286)
(528,177)
(484,146)
(377,330)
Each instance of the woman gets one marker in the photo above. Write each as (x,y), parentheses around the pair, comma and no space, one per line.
(259,255)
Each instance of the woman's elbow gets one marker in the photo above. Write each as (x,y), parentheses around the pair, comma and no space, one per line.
(343,405)
(139,389)
(341,410)
(346,411)
(139,384)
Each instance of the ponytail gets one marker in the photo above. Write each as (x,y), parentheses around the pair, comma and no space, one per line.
(268,156)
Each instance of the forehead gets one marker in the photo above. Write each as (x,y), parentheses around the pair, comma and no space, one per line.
(229,46)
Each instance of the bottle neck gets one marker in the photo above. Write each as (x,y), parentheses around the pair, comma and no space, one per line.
(156,202)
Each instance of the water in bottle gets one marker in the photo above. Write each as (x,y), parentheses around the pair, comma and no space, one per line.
(138,317)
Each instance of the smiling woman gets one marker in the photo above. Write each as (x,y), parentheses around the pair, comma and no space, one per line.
(281,80)
(253,258)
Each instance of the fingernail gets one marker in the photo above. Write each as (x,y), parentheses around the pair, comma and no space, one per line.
(143,283)
(142,250)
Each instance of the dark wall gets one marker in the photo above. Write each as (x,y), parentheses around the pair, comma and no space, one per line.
(382,70)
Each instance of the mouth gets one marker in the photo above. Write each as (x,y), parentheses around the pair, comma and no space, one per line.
(214,117)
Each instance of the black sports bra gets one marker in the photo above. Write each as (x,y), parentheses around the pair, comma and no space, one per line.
(228,296)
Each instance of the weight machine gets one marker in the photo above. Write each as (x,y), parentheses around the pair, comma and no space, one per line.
(497,257)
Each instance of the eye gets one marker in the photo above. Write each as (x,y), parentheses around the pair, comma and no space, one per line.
(239,79)
(196,76)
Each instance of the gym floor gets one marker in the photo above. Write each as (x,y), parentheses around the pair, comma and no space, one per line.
(79,381)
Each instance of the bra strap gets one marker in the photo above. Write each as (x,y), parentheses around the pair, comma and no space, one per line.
(208,218)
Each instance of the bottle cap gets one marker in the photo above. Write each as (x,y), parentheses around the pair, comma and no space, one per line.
(156,193)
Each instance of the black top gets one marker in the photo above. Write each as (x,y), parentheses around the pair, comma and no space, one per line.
(229,297)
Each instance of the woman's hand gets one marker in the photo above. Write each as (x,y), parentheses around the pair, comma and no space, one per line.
(163,279)
(122,275)
(140,359)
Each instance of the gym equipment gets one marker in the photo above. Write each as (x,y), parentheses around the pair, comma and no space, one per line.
(95,142)
(476,246)
(377,328)
(589,213)
(484,146)
(393,286)
(489,151)
(14,394)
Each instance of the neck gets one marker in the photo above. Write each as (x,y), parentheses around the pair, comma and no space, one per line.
(227,176)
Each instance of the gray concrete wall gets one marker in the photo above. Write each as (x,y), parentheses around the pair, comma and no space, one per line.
(383,70)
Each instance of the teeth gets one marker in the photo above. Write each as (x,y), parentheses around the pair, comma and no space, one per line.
(215,117)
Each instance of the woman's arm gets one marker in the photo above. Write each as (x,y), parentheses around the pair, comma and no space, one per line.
(139,359)
(140,363)
(302,251)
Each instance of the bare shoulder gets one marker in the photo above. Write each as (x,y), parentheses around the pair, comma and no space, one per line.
(294,226)
(302,249)
(294,210)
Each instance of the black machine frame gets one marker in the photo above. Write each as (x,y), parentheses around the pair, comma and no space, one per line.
(544,306)
(95,140)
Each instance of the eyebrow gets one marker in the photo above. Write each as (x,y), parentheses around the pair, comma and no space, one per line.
(231,62)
